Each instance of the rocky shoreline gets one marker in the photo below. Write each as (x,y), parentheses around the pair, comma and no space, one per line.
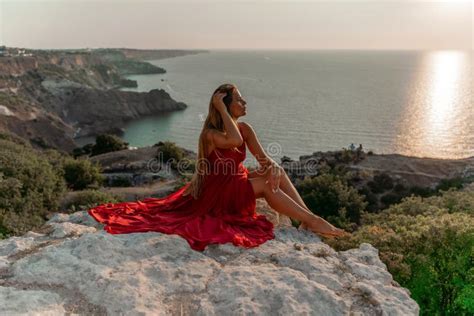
(52,97)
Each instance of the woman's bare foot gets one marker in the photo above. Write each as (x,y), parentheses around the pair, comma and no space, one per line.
(323,228)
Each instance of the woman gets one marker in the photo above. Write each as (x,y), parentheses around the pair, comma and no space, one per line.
(218,204)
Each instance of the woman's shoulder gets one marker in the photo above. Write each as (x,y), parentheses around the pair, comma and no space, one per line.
(246,128)
(243,124)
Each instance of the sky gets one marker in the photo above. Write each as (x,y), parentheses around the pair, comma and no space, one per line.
(237,24)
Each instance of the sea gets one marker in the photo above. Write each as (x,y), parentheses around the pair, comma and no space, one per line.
(415,103)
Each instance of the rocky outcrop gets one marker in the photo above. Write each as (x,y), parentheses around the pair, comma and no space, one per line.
(17,66)
(95,111)
(40,128)
(73,266)
(413,171)
(78,90)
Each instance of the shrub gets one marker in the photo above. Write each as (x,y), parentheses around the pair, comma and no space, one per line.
(121,181)
(186,168)
(82,173)
(81,151)
(380,183)
(78,151)
(330,197)
(384,181)
(14,139)
(107,143)
(399,188)
(30,187)
(374,187)
(390,198)
(424,192)
(428,246)
(446,184)
(371,198)
(442,269)
(168,152)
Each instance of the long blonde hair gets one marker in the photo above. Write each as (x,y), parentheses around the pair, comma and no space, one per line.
(213,121)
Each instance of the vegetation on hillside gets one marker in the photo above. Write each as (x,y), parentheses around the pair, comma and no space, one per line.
(426,240)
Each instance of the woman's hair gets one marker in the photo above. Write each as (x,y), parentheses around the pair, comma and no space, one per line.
(213,121)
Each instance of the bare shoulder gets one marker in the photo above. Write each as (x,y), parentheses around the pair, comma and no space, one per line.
(244,125)
(247,129)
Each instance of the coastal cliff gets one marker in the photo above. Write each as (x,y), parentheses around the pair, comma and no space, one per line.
(52,97)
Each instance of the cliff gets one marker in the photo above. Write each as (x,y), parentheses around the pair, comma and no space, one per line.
(93,111)
(73,266)
(53,96)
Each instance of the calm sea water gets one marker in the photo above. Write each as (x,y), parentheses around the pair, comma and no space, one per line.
(416,103)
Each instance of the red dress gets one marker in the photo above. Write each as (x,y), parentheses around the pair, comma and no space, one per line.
(225,211)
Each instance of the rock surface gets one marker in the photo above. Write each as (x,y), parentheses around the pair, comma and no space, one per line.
(73,266)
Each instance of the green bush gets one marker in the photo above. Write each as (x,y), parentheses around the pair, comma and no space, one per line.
(122,181)
(107,143)
(446,184)
(391,198)
(421,191)
(384,181)
(14,139)
(344,156)
(84,200)
(442,269)
(330,197)
(30,187)
(371,199)
(380,183)
(399,188)
(186,168)
(81,151)
(82,173)
(168,152)
(428,246)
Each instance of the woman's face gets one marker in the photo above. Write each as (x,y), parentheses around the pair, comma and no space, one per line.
(238,106)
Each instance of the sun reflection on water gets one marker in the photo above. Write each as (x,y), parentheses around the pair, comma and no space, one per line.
(436,121)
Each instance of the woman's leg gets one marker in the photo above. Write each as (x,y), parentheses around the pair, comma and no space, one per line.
(284,204)
(287,186)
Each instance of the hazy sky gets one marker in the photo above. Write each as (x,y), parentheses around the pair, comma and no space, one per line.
(238,24)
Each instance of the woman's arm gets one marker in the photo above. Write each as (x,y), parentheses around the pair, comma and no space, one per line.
(255,147)
(231,138)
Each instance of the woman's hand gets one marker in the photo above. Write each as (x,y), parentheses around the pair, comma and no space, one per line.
(217,101)
(274,175)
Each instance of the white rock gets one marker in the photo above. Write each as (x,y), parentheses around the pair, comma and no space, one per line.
(29,302)
(157,274)
(5,111)
(13,245)
(62,230)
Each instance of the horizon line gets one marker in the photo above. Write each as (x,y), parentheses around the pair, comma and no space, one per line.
(253,49)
